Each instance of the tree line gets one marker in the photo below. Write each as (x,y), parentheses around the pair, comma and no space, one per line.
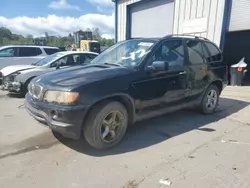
(9,38)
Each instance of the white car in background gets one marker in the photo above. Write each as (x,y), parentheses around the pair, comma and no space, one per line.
(16,78)
(24,54)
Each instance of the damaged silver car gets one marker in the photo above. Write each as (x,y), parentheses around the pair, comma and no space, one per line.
(16,78)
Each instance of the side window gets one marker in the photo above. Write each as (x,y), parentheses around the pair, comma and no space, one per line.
(68,60)
(215,53)
(50,51)
(8,52)
(77,59)
(195,52)
(171,51)
(60,62)
(29,51)
(87,58)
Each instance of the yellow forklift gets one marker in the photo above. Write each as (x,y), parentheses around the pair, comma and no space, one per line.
(83,41)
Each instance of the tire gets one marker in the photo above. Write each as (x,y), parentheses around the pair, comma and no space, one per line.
(205,108)
(95,130)
(25,87)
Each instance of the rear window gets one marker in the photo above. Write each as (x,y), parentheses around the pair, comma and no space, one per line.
(29,51)
(195,52)
(50,51)
(215,53)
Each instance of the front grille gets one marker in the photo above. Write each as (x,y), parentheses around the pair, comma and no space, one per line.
(36,91)
(10,78)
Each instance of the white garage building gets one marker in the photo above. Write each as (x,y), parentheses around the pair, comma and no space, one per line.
(156,18)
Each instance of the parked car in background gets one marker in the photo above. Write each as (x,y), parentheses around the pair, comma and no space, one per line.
(17,77)
(130,81)
(24,54)
(62,49)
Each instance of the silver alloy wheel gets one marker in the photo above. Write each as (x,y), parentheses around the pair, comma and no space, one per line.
(212,98)
(111,126)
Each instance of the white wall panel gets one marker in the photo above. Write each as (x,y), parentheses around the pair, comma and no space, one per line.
(219,21)
(200,8)
(206,8)
(191,11)
(240,15)
(212,19)
(177,5)
(186,10)
(122,17)
(152,19)
(179,10)
(194,7)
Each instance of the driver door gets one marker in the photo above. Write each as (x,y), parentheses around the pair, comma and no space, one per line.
(159,88)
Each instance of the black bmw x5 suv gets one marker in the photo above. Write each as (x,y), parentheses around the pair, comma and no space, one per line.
(131,81)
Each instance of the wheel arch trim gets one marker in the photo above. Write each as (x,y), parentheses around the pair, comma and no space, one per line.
(123,98)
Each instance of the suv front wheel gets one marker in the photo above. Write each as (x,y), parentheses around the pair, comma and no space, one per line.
(210,100)
(106,124)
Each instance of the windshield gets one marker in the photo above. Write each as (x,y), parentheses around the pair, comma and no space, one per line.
(48,59)
(128,53)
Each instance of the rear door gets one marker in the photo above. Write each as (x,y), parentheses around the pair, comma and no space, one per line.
(197,64)
(29,55)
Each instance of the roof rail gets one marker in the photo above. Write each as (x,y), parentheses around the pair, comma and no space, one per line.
(186,35)
(131,38)
(28,45)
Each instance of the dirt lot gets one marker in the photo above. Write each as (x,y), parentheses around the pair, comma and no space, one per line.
(188,149)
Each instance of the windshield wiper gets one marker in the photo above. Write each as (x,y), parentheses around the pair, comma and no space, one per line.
(115,64)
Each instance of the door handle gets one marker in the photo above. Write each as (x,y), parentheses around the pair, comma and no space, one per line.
(183,72)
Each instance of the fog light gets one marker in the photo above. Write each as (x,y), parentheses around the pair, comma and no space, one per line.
(54,114)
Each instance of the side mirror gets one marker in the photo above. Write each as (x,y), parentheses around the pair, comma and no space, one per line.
(158,66)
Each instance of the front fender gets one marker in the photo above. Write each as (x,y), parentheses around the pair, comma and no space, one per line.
(24,77)
(124,98)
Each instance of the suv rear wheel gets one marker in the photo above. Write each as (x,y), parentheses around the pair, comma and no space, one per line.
(106,124)
(210,100)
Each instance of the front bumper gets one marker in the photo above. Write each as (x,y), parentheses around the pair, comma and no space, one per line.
(16,87)
(66,120)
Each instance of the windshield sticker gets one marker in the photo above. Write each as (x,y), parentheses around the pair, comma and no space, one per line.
(145,44)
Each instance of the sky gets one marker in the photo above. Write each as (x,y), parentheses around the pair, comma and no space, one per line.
(57,17)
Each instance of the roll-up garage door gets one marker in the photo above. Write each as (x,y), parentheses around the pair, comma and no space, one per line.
(240,15)
(152,18)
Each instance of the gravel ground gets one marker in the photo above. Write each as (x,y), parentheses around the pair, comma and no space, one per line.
(186,149)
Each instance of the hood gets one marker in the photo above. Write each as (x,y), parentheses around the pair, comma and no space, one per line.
(11,69)
(81,75)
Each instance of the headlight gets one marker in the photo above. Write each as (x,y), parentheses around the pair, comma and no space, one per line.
(12,77)
(60,97)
